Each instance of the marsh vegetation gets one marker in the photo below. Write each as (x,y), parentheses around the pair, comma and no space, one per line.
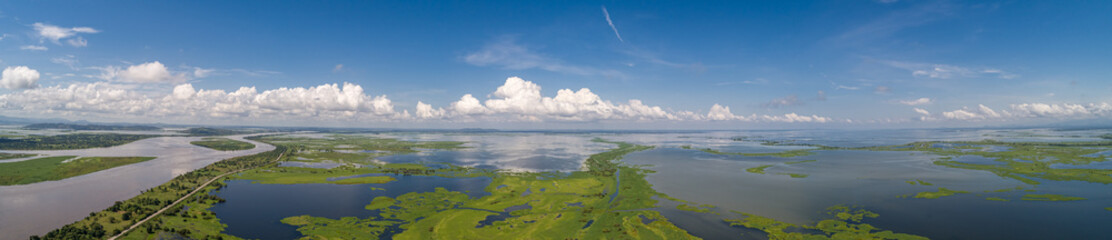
(223,144)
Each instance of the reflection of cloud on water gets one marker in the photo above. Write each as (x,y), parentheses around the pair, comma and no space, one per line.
(507,151)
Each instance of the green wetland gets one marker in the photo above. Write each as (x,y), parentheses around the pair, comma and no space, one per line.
(891,184)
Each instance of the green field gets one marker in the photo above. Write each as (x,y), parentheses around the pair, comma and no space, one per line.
(223,144)
(57,168)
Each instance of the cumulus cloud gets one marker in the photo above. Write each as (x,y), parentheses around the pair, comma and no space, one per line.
(329,102)
(523,100)
(1065,110)
(1060,111)
(151,72)
(507,54)
(515,100)
(34,48)
(56,34)
(794,118)
(916,102)
(722,113)
(19,77)
(922,111)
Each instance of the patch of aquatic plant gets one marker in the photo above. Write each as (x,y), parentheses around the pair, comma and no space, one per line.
(758,169)
(795,175)
(846,223)
(223,144)
(996,199)
(343,228)
(704,208)
(783,154)
(798,162)
(942,192)
(1049,197)
(919,182)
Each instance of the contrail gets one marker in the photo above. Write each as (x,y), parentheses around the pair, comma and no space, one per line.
(604,12)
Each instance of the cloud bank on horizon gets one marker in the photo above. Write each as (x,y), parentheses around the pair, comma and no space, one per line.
(897,64)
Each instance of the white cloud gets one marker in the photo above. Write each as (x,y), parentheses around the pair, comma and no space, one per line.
(611,23)
(329,102)
(1065,110)
(516,100)
(506,53)
(151,72)
(722,113)
(56,33)
(821,96)
(425,111)
(19,77)
(1062,111)
(943,71)
(794,118)
(523,100)
(34,48)
(338,67)
(916,102)
(922,111)
(202,72)
(790,100)
(77,42)
(840,87)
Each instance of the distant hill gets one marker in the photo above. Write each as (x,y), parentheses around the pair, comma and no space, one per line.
(91,127)
(202,131)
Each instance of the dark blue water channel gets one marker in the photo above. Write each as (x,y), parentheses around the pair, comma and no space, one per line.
(255,211)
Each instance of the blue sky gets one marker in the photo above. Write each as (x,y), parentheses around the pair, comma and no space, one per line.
(773,63)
